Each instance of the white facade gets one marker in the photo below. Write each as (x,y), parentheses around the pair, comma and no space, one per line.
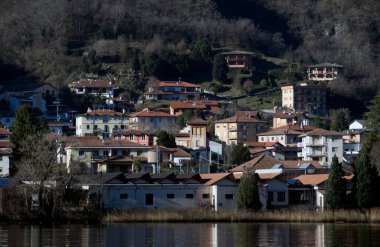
(102,126)
(322,148)
(4,163)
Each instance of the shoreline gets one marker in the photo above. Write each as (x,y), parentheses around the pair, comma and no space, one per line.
(274,216)
(369,216)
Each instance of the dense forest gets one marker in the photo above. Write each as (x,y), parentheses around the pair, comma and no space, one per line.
(54,40)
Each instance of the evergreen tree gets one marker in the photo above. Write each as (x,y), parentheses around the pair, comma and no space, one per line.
(165,139)
(27,122)
(336,186)
(201,52)
(373,115)
(248,194)
(240,154)
(365,179)
(220,69)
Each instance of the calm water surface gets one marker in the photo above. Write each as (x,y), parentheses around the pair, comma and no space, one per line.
(169,234)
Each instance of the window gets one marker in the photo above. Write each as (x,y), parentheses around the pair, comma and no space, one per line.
(1,158)
(151,120)
(81,152)
(130,137)
(197,143)
(95,127)
(189,196)
(205,196)
(170,196)
(88,126)
(148,199)
(123,196)
(115,127)
(95,152)
(143,137)
(229,196)
(281,196)
(122,126)
(335,149)
(105,152)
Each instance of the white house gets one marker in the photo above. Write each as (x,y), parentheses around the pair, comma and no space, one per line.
(94,87)
(166,190)
(353,138)
(101,123)
(321,145)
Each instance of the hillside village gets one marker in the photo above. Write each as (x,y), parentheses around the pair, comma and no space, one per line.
(176,146)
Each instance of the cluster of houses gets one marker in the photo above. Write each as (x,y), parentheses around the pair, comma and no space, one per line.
(118,146)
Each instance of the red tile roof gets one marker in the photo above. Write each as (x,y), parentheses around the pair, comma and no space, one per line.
(258,150)
(214,177)
(197,121)
(92,84)
(293,164)
(321,132)
(312,179)
(254,114)
(181,153)
(261,162)
(4,132)
(148,113)
(6,144)
(187,105)
(97,142)
(295,127)
(288,115)
(268,176)
(175,84)
(240,119)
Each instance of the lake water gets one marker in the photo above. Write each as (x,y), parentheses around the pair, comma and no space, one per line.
(186,234)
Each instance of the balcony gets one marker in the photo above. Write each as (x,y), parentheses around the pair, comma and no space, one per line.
(316,144)
(316,154)
(99,157)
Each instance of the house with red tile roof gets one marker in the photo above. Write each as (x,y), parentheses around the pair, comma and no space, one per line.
(178,107)
(139,136)
(150,120)
(94,87)
(101,122)
(290,118)
(90,150)
(239,128)
(285,136)
(238,59)
(173,90)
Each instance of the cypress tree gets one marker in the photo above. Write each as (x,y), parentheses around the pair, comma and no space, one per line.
(366,179)
(220,69)
(336,186)
(239,154)
(27,122)
(248,195)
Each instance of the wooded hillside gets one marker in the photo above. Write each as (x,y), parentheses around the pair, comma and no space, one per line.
(48,38)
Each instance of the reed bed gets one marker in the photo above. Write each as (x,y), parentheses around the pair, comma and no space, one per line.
(284,215)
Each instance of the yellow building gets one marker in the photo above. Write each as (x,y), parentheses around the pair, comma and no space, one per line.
(194,136)
(239,128)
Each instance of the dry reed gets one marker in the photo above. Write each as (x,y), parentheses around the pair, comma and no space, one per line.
(284,215)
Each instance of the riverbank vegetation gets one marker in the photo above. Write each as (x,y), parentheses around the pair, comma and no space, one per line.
(284,215)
